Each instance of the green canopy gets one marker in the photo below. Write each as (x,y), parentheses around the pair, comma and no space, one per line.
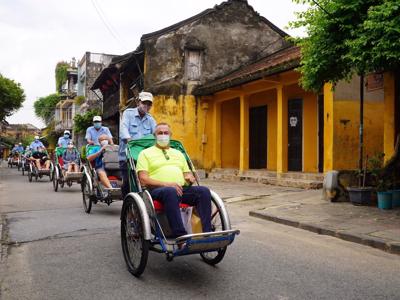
(60,151)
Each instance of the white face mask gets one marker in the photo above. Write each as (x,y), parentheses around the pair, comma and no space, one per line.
(163,140)
(104,143)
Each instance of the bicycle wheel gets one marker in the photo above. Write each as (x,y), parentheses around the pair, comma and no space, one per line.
(214,257)
(55,180)
(134,247)
(86,194)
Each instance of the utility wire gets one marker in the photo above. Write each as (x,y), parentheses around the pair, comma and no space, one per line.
(102,18)
(323,9)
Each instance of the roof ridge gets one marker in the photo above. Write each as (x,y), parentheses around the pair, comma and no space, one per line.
(209,11)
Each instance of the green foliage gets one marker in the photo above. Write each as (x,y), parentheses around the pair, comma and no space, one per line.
(11,97)
(79,100)
(61,74)
(376,46)
(45,107)
(27,140)
(346,36)
(82,122)
(9,140)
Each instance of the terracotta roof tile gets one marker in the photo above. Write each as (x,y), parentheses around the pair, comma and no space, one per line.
(277,62)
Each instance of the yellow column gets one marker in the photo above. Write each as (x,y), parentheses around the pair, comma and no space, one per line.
(282,131)
(328,127)
(244,133)
(389,138)
(217,134)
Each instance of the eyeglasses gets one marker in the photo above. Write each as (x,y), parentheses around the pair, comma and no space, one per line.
(165,154)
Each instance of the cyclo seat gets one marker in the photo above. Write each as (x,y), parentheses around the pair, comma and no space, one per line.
(111,164)
(159,206)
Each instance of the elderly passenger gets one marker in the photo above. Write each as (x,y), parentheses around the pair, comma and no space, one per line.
(71,158)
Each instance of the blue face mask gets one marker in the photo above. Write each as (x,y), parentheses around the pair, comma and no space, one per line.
(97,125)
(66,136)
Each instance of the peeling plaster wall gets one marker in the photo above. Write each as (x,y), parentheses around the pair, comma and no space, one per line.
(229,37)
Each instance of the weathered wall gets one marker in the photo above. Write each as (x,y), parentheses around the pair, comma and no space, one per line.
(230,133)
(346,121)
(229,37)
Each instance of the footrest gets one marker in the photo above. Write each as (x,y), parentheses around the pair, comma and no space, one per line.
(204,242)
(114,193)
(73,175)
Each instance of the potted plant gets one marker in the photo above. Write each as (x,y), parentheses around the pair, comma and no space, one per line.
(362,194)
(384,195)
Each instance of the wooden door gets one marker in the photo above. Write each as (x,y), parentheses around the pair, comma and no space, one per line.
(258,137)
(295,135)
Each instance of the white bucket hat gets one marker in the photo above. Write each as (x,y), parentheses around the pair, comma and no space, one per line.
(67,131)
(96,119)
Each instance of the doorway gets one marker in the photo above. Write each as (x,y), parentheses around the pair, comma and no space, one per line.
(295,135)
(258,120)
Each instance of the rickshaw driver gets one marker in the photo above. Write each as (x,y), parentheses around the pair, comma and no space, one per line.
(165,172)
(64,140)
(135,124)
(96,154)
(93,132)
(36,144)
(40,157)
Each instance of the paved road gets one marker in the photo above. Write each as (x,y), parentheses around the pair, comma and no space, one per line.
(59,252)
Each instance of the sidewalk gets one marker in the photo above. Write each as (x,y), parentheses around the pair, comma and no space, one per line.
(305,209)
(360,224)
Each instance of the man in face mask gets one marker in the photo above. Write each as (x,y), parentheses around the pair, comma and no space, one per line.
(136,123)
(96,154)
(36,144)
(165,172)
(93,132)
(65,139)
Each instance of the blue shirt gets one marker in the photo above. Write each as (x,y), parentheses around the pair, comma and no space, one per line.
(98,161)
(35,145)
(93,134)
(133,127)
(63,142)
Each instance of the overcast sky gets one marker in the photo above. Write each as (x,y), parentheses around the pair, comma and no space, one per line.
(35,35)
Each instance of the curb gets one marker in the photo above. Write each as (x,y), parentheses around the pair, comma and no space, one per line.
(391,247)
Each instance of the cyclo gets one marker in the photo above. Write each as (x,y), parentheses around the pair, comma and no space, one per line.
(25,162)
(92,189)
(14,160)
(144,225)
(34,171)
(59,177)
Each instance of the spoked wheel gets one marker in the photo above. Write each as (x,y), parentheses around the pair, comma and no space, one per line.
(212,258)
(30,175)
(86,194)
(55,180)
(134,247)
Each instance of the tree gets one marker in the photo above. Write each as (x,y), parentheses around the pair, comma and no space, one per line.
(11,97)
(45,107)
(61,74)
(327,52)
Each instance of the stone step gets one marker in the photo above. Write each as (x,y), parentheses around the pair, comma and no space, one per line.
(298,183)
(304,176)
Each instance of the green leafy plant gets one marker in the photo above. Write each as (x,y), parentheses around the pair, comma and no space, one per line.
(11,97)
(45,107)
(82,122)
(79,100)
(347,37)
(61,74)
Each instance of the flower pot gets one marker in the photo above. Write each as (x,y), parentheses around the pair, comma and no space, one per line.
(396,198)
(360,195)
(385,200)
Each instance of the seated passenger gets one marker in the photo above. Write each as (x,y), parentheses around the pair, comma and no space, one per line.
(96,154)
(71,158)
(165,172)
(41,158)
